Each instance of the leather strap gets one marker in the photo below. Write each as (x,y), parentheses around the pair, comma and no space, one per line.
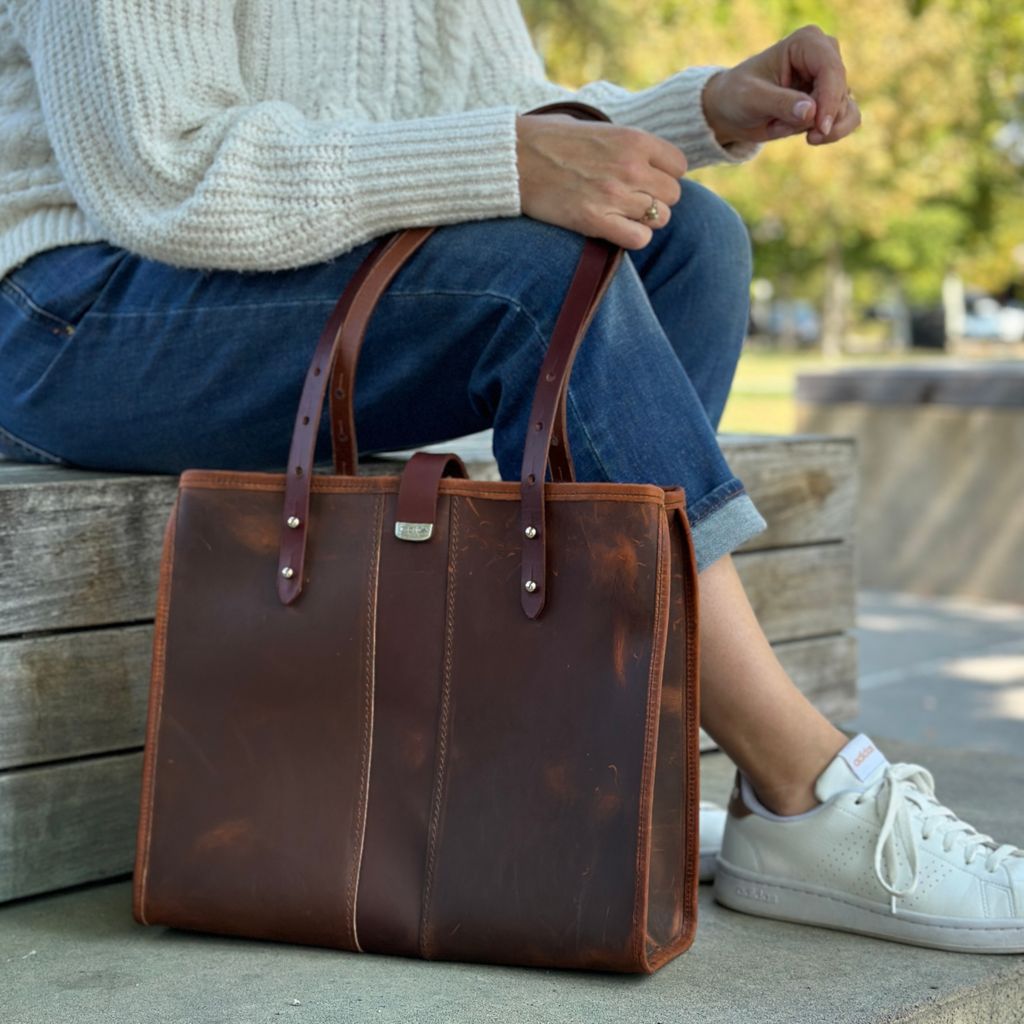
(336,358)
(593,275)
(416,510)
(353,333)
(345,329)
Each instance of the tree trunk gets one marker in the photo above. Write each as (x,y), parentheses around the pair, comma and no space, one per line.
(836,312)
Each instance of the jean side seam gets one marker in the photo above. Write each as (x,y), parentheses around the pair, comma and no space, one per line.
(31,449)
(25,304)
(394,294)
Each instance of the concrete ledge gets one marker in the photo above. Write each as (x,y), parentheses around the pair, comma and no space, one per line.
(988,384)
(78,956)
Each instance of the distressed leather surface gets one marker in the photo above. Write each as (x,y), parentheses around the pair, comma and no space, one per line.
(401,761)
(375,744)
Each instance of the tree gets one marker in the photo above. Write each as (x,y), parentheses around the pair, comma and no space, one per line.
(922,188)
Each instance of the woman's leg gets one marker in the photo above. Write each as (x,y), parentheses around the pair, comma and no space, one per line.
(697,276)
(696,273)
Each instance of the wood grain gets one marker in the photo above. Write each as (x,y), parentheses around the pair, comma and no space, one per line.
(75,822)
(805,488)
(68,695)
(78,549)
(82,549)
(65,824)
(798,593)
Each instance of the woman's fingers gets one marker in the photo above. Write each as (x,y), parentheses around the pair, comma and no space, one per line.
(650,210)
(847,121)
(624,231)
(816,59)
(602,180)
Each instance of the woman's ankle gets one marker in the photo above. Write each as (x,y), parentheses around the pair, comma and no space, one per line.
(788,789)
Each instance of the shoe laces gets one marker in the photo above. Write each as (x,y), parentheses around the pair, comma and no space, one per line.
(907,793)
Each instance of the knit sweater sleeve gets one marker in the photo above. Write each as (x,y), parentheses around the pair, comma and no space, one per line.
(163,149)
(507,66)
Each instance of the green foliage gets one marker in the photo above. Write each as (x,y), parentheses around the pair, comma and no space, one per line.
(924,187)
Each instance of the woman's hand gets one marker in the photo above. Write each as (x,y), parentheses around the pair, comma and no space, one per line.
(595,178)
(796,86)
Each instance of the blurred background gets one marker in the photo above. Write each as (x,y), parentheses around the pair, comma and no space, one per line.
(887,306)
(906,239)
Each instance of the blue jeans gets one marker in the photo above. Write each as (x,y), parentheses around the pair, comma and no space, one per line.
(112,361)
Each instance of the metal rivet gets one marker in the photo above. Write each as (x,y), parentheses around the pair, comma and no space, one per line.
(287,572)
(530,586)
(294,522)
(531,532)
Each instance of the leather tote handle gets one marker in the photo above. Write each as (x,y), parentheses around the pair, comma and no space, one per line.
(596,268)
(366,292)
(335,360)
(344,329)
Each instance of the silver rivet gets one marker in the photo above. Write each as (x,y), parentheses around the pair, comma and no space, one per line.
(287,572)
(530,585)
(531,532)
(294,521)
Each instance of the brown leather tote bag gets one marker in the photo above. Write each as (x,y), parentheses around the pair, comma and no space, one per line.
(426,715)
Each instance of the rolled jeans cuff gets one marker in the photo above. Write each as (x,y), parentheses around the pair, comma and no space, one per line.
(723,521)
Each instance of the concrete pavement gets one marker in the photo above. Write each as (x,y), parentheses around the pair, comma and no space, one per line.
(78,957)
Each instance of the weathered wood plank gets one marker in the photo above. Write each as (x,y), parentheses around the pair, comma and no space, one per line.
(802,592)
(806,488)
(69,823)
(69,695)
(65,824)
(80,549)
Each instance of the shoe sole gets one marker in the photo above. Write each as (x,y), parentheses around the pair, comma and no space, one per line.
(763,896)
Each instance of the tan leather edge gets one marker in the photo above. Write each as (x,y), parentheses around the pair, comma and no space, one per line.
(366,760)
(655,678)
(437,797)
(502,490)
(156,690)
(691,760)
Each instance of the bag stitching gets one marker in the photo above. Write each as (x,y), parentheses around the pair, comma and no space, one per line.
(158,679)
(369,686)
(444,725)
(651,739)
(30,308)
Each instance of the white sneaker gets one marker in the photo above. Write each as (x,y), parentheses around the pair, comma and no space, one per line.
(880,856)
(712,824)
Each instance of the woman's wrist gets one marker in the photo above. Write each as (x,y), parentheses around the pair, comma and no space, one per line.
(711,106)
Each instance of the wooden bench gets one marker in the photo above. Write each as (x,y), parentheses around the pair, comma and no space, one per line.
(79,552)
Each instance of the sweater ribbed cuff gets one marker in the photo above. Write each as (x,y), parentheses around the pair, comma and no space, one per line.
(43,229)
(672,109)
(436,170)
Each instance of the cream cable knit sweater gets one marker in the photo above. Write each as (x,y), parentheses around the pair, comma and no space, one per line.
(266,134)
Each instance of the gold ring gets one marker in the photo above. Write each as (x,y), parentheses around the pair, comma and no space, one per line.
(651,213)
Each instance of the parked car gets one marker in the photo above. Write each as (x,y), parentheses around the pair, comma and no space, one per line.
(796,318)
(987,318)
